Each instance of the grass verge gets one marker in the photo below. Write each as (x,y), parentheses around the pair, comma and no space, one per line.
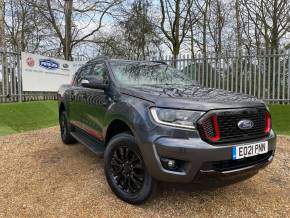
(19,117)
(281,118)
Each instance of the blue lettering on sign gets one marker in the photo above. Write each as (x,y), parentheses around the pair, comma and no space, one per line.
(48,64)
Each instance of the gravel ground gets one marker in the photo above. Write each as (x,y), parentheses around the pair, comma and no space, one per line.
(41,177)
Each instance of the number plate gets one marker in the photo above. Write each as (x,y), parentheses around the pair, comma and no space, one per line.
(249,150)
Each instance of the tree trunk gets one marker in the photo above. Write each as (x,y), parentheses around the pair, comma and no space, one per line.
(2,30)
(238,23)
(176,44)
(67,48)
(219,27)
(191,36)
(175,53)
(275,28)
(204,32)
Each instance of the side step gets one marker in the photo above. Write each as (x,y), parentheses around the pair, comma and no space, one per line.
(85,139)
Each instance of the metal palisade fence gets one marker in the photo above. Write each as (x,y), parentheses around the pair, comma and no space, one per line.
(265,75)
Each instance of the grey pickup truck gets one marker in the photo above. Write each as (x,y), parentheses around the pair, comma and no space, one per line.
(152,123)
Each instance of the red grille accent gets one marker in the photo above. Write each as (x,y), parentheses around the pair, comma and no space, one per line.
(214,134)
(268,122)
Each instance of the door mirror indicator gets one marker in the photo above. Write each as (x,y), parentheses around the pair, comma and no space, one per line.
(85,82)
(93,83)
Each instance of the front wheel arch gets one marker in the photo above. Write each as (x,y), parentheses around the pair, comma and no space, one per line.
(116,127)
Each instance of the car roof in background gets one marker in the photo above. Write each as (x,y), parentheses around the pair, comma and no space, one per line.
(103,58)
(137,61)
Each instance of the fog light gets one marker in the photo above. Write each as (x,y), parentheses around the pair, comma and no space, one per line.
(171,164)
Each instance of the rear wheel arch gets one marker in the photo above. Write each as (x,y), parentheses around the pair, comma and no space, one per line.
(61,108)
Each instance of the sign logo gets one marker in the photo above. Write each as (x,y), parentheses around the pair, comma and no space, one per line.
(65,66)
(48,64)
(30,62)
(245,124)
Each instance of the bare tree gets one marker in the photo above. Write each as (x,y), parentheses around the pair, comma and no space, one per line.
(193,18)
(203,7)
(215,24)
(73,22)
(174,22)
(25,30)
(63,27)
(139,29)
(271,19)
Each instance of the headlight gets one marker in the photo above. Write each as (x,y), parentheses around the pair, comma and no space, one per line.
(177,118)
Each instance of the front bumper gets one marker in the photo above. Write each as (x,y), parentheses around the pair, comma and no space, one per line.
(199,157)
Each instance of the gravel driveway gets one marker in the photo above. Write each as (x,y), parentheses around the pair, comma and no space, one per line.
(41,177)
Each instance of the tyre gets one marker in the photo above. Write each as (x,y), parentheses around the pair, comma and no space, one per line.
(126,172)
(65,129)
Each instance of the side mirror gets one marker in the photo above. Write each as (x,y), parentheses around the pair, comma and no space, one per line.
(93,83)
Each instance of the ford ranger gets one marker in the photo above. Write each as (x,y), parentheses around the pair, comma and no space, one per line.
(151,122)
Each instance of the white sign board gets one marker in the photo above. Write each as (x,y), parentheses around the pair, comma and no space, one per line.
(40,73)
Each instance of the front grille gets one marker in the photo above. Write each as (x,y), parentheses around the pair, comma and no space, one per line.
(227,125)
(236,164)
(230,130)
(208,126)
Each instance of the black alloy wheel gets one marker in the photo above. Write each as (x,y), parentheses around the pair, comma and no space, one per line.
(65,129)
(125,170)
(63,125)
(128,169)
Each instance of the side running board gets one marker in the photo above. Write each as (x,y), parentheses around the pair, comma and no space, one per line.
(85,139)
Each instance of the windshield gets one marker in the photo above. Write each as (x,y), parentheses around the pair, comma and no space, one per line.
(148,73)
